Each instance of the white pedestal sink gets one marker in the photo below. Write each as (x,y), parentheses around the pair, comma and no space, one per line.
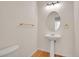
(52,37)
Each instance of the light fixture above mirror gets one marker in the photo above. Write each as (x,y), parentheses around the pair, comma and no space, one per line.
(52,3)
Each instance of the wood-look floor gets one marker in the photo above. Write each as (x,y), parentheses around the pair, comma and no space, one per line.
(41,53)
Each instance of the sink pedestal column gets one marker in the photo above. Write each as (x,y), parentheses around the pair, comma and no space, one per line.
(52,48)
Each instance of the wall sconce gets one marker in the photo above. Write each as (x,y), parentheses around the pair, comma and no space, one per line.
(52,3)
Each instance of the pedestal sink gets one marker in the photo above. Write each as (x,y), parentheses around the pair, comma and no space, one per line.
(52,37)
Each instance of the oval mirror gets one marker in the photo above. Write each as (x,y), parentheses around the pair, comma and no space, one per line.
(53,21)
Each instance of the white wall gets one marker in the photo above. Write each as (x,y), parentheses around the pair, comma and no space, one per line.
(11,15)
(65,45)
(76,22)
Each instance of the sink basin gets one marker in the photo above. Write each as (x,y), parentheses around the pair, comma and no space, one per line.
(53,36)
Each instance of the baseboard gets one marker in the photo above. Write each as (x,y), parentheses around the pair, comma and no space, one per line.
(57,55)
